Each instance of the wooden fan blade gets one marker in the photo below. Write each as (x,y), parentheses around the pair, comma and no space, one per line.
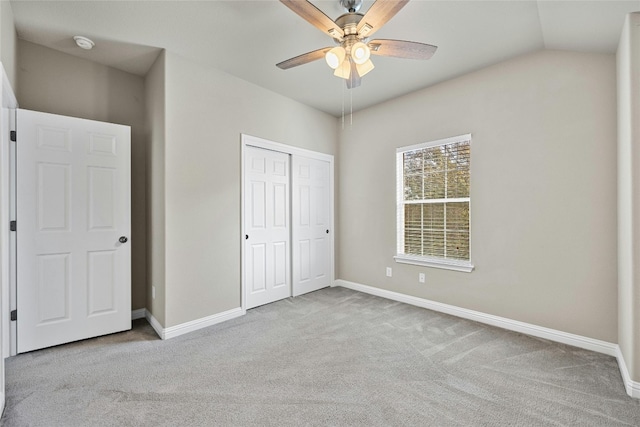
(378,14)
(314,16)
(402,49)
(303,59)
(354,79)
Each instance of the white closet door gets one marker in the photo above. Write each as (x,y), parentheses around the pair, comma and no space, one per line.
(267,227)
(73,223)
(311,225)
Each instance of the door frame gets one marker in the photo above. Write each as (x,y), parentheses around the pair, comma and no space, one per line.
(7,213)
(254,141)
(8,104)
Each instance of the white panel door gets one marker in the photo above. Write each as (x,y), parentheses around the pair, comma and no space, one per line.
(311,224)
(73,214)
(267,227)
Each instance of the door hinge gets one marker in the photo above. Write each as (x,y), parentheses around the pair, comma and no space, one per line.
(14,315)
(13,135)
(13,225)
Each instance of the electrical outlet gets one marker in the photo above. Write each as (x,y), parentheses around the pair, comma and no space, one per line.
(389,272)
(153,292)
(421,278)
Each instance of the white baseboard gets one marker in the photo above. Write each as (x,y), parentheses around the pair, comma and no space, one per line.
(632,387)
(154,324)
(140,313)
(194,325)
(489,319)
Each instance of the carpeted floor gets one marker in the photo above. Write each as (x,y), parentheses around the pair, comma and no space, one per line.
(332,357)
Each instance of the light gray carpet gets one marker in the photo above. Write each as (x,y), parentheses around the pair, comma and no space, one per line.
(332,357)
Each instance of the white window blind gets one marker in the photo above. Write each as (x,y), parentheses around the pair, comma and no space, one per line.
(433,202)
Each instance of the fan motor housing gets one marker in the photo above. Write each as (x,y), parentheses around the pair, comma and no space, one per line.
(349,22)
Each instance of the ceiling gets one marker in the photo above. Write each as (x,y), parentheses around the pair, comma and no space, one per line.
(247,39)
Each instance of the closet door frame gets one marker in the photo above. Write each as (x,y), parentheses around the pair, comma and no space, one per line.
(253,141)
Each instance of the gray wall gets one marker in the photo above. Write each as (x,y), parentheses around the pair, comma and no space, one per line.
(543,179)
(206,111)
(8,41)
(54,82)
(155,111)
(628,61)
(543,197)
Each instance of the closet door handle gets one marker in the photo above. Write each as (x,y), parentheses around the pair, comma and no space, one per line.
(327,231)
(246,237)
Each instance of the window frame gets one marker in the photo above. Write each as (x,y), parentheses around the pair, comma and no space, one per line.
(426,261)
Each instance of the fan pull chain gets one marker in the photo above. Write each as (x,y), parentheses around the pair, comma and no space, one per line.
(351,108)
(342,86)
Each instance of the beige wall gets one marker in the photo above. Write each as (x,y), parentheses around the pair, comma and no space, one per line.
(206,111)
(155,111)
(54,82)
(543,189)
(543,194)
(628,62)
(8,42)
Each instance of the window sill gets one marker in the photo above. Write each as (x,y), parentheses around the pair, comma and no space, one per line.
(464,266)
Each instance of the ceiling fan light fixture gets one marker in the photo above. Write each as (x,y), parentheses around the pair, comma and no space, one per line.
(335,57)
(365,67)
(360,53)
(350,56)
(344,70)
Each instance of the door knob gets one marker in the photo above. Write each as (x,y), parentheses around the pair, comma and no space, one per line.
(327,231)
(123,239)
(246,236)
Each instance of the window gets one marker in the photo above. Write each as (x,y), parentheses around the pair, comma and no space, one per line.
(433,204)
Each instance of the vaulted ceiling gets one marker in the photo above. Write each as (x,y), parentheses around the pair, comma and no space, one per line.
(247,39)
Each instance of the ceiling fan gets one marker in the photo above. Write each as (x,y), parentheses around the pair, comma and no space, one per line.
(351,31)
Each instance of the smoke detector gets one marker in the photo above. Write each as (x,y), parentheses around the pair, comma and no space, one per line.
(84,42)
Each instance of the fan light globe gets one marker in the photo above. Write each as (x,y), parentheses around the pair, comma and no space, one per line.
(335,57)
(343,71)
(360,53)
(364,68)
